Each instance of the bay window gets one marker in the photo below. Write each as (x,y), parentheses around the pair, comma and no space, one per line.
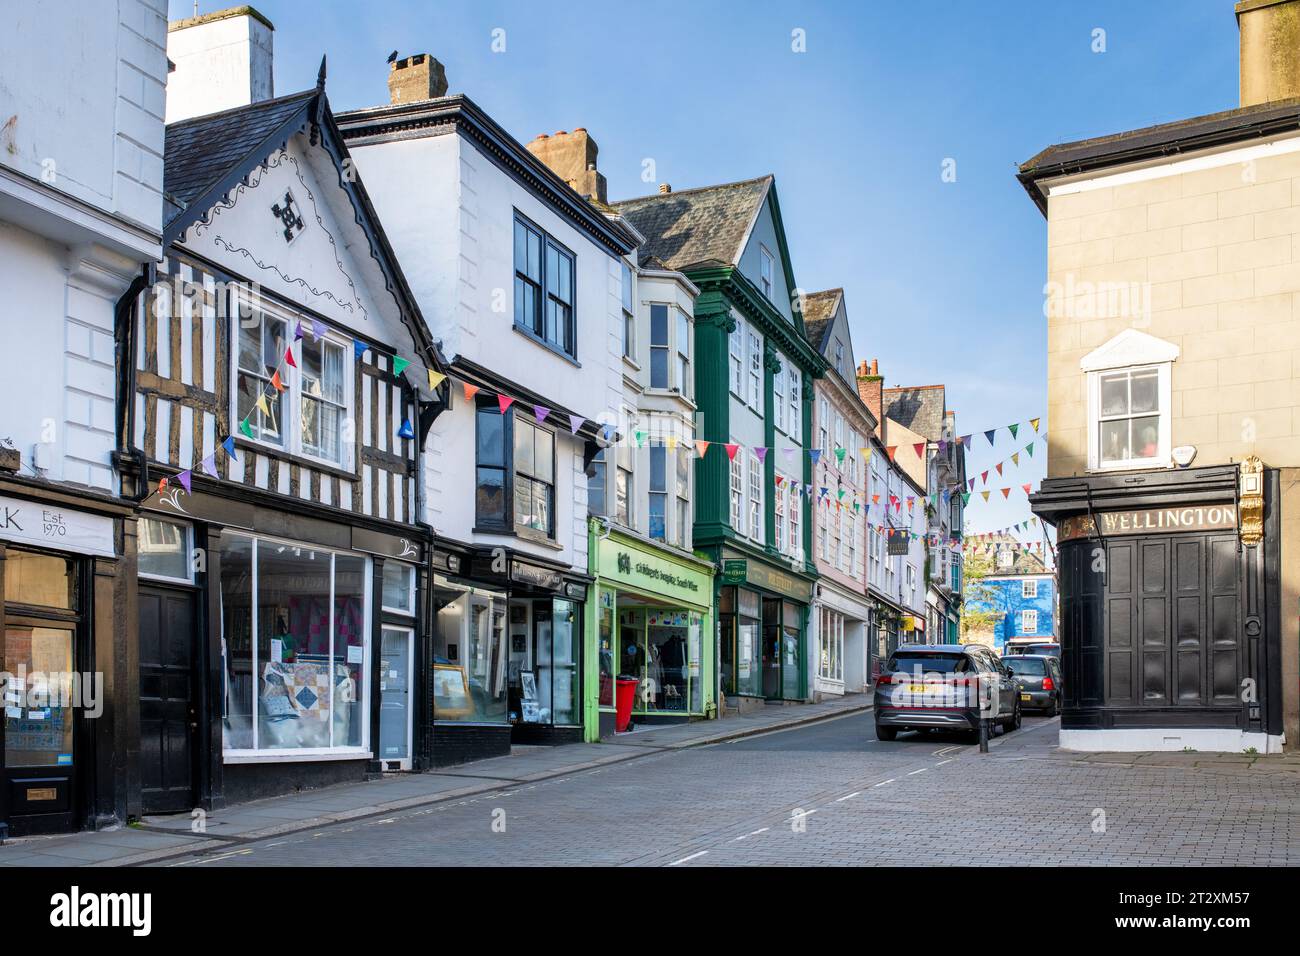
(682,536)
(658,346)
(659,493)
(684,383)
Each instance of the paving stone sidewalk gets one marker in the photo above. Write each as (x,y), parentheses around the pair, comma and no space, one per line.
(160,837)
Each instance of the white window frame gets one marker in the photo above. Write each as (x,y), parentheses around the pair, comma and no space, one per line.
(795,430)
(188,533)
(796,523)
(778,505)
(628,309)
(410,591)
(736,351)
(778,399)
(737,471)
(1028,622)
(756,516)
(1131,351)
(1029,588)
(767,263)
(291,397)
(754,354)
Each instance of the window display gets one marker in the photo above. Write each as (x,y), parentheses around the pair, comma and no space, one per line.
(469,655)
(294,625)
(660,648)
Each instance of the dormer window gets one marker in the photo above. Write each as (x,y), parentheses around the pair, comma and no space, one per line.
(1129,401)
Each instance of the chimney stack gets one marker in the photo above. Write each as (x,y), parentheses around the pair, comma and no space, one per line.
(223,60)
(664,188)
(871,389)
(416,77)
(1270,50)
(572,157)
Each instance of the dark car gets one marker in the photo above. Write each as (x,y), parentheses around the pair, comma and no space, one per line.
(1050,648)
(938,686)
(1040,681)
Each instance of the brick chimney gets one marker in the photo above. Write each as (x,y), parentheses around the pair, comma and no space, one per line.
(1270,50)
(223,60)
(572,157)
(871,389)
(416,77)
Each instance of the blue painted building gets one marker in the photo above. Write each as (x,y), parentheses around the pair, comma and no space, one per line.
(1021,591)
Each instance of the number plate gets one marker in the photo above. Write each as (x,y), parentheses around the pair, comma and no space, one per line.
(1024,697)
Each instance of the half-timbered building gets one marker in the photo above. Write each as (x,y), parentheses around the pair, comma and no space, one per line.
(279,398)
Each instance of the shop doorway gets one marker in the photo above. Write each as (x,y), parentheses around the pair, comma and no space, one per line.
(544,664)
(782,650)
(168,700)
(397,651)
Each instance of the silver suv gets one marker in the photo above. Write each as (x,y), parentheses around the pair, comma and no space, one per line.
(944,686)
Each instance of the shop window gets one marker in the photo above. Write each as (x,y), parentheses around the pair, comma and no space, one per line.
(831,645)
(295,620)
(660,647)
(605,650)
(470,666)
(39,580)
(399,587)
(163,550)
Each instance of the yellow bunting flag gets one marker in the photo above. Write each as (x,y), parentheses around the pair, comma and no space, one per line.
(262,405)
(1034,422)
(435,379)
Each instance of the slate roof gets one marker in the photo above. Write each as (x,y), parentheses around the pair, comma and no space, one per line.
(695,227)
(199,153)
(920,409)
(819,315)
(1164,140)
(1025,561)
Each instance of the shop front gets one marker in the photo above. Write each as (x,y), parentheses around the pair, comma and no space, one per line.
(650,646)
(843,640)
(1170,608)
(505,654)
(763,615)
(61,641)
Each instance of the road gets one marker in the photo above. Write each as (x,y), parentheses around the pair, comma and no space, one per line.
(831,794)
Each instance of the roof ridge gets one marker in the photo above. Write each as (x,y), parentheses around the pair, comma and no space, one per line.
(247,107)
(694,189)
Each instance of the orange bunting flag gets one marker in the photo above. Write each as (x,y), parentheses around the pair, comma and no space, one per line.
(731,451)
(701,447)
(891,450)
(470,391)
(1006,492)
(275,380)
(999,467)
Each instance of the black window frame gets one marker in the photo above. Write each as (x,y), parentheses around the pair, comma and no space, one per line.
(504,521)
(544,294)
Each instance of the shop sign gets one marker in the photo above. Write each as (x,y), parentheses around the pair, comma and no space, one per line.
(770,578)
(654,572)
(387,545)
(735,572)
(53,526)
(536,575)
(900,543)
(1150,521)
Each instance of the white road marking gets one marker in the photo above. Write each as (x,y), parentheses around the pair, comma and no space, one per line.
(687,859)
(942,762)
(883,782)
(847,796)
(913,773)
(757,832)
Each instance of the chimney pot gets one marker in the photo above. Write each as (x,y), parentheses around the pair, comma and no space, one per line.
(665,188)
(416,77)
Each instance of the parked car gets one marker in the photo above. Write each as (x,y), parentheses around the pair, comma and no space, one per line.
(1040,681)
(936,686)
(1051,648)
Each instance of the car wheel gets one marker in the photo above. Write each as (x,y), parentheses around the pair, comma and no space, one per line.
(1051,709)
(886,733)
(1015,718)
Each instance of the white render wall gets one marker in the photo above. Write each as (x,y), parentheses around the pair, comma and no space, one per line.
(448,211)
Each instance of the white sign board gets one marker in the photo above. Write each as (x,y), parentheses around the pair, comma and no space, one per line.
(53,526)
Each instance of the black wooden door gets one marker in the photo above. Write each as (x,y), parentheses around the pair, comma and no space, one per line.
(168,702)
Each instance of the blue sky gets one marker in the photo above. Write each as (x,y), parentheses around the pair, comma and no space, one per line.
(943,279)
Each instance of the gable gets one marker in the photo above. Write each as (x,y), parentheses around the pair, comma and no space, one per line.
(765,234)
(308,252)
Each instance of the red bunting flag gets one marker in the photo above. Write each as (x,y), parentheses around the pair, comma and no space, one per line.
(919,448)
(288,356)
(504,402)
(1026,487)
(984,478)
(999,467)
(731,451)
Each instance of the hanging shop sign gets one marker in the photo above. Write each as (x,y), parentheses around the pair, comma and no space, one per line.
(900,544)
(1150,521)
(53,526)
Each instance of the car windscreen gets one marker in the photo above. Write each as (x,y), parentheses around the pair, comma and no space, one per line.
(929,663)
(1029,666)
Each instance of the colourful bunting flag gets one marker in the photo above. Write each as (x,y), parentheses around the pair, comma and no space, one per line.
(761,452)
(990,435)
(891,450)
(540,412)
(318,330)
(1034,422)
(701,446)
(470,391)
(297,332)
(406,431)
(815,454)
(575,422)
(504,402)
(277,381)
(186,478)
(288,357)
(435,379)
(248,432)
(1027,487)
(1013,429)
(839,454)
(919,448)
(399,365)
(262,407)
(731,450)
(359,348)
(229,446)
(1006,492)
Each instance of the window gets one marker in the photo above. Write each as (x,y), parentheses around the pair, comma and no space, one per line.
(738,494)
(526,480)
(766,270)
(306,415)
(755,372)
(851,565)
(659,492)
(778,399)
(839,358)
(596,490)
(534,477)
(1129,417)
(682,536)
(544,287)
(684,382)
(658,346)
(163,549)
(831,638)
(736,347)
(755,498)
(778,504)
(1029,588)
(629,315)
(795,430)
(261,351)
(1028,622)
(855,442)
(294,624)
(823,525)
(624,487)
(399,587)
(823,424)
(796,542)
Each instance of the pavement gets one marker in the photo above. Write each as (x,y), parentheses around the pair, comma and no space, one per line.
(156,839)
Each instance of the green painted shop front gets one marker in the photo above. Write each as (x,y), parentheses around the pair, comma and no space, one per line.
(650,619)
